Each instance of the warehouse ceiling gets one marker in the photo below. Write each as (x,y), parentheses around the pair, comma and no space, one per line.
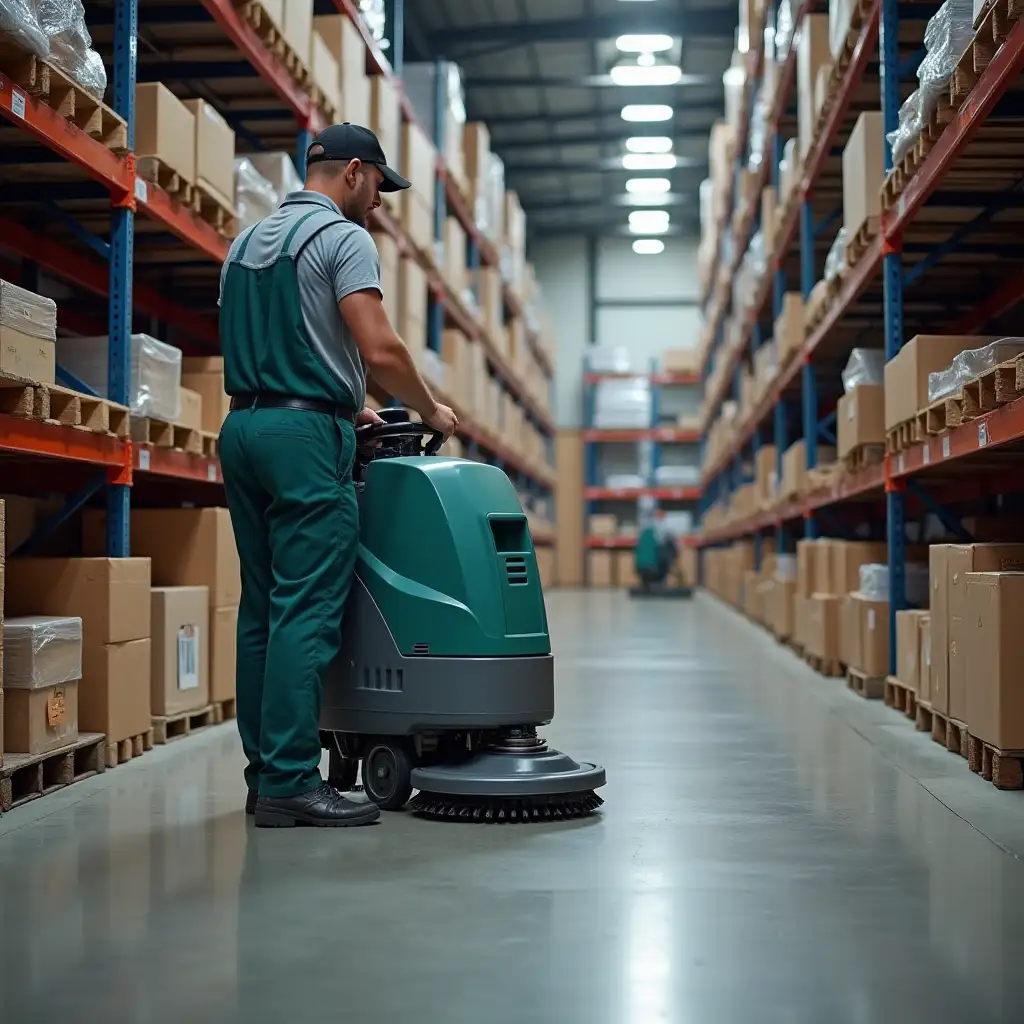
(539,73)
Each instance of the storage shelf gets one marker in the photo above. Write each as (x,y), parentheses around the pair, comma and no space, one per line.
(28,437)
(661,379)
(666,435)
(632,493)
(621,543)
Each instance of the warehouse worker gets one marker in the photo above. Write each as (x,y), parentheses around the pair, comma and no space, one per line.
(301,322)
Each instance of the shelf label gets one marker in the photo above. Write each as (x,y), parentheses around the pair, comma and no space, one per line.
(982,435)
(18,103)
(945,447)
(901,463)
(211,472)
(927,455)
(141,190)
(143,458)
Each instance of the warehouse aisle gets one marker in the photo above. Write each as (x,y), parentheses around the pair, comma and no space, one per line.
(766,854)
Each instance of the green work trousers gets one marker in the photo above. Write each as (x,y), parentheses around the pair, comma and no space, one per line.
(288,478)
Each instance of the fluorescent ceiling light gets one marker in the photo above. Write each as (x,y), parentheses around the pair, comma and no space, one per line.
(634,74)
(647,112)
(648,222)
(646,60)
(648,161)
(644,44)
(656,185)
(645,199)
(648,246)
(649,144)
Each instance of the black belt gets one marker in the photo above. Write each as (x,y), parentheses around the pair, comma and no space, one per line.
(290,402)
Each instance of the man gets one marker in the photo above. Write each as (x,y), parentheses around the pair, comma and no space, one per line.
(301,322)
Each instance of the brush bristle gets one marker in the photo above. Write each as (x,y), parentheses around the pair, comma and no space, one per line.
(505,810)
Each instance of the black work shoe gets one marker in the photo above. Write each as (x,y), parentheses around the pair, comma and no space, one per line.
(324,807)
(250,801)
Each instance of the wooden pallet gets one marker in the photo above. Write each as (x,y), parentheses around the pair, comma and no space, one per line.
(868,687)
(210,443)
(995,387)
(176,727)
(123,751)
(862,456)
(858,245)
(1003,768)
(903,436)
(824,666)
(51,403)
(255,14)
(900,697)
(162,434)
(946,731)
(216,209)
(26,777)
(50,85)
(153,169)
(922,716)
(224,711)
(842,62)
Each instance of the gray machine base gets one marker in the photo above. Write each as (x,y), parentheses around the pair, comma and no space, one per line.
(493,774)
(372,689)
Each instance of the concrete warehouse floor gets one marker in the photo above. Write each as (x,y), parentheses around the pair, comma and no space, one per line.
(773,849)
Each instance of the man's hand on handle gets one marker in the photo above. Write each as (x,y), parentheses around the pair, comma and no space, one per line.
(443,419)
(368,418)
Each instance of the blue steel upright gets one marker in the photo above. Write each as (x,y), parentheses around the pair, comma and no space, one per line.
(122,234)
(892,280)
(394,15)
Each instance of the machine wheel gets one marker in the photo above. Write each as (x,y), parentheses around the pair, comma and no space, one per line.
(387,768)
(342,771)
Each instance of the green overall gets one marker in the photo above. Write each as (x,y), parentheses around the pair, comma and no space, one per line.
(288,478)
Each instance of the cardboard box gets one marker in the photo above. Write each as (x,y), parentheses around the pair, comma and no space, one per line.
(191,405)
(476,153)
(800,620)
(783,596)
(906,375)
(822,557)
(995,650)
(863,170)
(223,652)
(939,604)
(180,678)
(166,129)
(386,117)
(848,557)
(390,263)
(873,651)
(790,329)
(961,560)
(215,151)
(822,625)
(419,162)
(1,728)
(680,360)
(41,650)
(205,376)
(346,44)
(601,568)
(602,524)
(38,721)
(807,553)
(849,631)
(188,547)
(860,418)
(455,273)
(924,661)
(109,595)
(24,356)
(297,27)
(323,67)
(417,215)
(811,53)
(568,504)
(412,303)
(626,569)
(908,647)
(114,694)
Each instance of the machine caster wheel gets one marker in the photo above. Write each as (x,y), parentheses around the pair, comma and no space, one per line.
(342,771)
(387,770)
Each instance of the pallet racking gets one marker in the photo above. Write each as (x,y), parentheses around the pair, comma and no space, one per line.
(944,259)
(111,235)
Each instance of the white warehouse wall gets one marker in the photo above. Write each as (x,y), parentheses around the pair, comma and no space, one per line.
(622,279)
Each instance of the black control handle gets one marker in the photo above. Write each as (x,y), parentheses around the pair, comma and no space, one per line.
(378,431)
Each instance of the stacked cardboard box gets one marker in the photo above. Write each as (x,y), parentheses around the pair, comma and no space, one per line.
(811,55)
(390,284)
(412,306)
(215,153)
(204,377)
(860,419)
(912,632)
(3,558)
(419,159)
(863,170)
(111,598)
(28,332)
(386,122)
(346,45)
(181,649)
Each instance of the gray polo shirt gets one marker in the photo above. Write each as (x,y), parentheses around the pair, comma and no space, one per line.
(341,259)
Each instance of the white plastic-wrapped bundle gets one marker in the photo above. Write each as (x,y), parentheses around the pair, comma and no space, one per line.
(624,404)
(785,568)
(946,36)
(255,197)
(836,259)
(154,383)
(908,129)
(874,581)
(27,312)
(18,20)
(783,30)
(374,16)
(71,50)
(865,366)
(758,130)
(970,364)
(41,651)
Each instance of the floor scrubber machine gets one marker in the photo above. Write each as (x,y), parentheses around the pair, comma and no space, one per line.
(445,672)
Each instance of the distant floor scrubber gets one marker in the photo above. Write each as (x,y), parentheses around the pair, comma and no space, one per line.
(445,671)
(655,559)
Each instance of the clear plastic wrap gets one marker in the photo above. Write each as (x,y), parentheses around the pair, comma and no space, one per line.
(27,312)
(874,581)
(946,36)
(783,30)
(41,651)
(785,568)
(865,366)
(908,129)
(735,82)
(624,481)
(19,22)
(835,262)
(375,18)
(625,404)
(71,50)
(758,130)
(677,476)
(154,383)
(279,169)
(255,197)
(706,193)
(970,364)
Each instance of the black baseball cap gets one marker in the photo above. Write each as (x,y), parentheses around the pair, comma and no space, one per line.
(354,142)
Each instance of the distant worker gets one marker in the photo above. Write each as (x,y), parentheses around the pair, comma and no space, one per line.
(654,560)
(301,322)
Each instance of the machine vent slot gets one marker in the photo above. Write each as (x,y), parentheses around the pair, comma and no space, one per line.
(383,679)
(421,648)
(515,568)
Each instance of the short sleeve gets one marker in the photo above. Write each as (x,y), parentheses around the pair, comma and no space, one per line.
(350,260)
